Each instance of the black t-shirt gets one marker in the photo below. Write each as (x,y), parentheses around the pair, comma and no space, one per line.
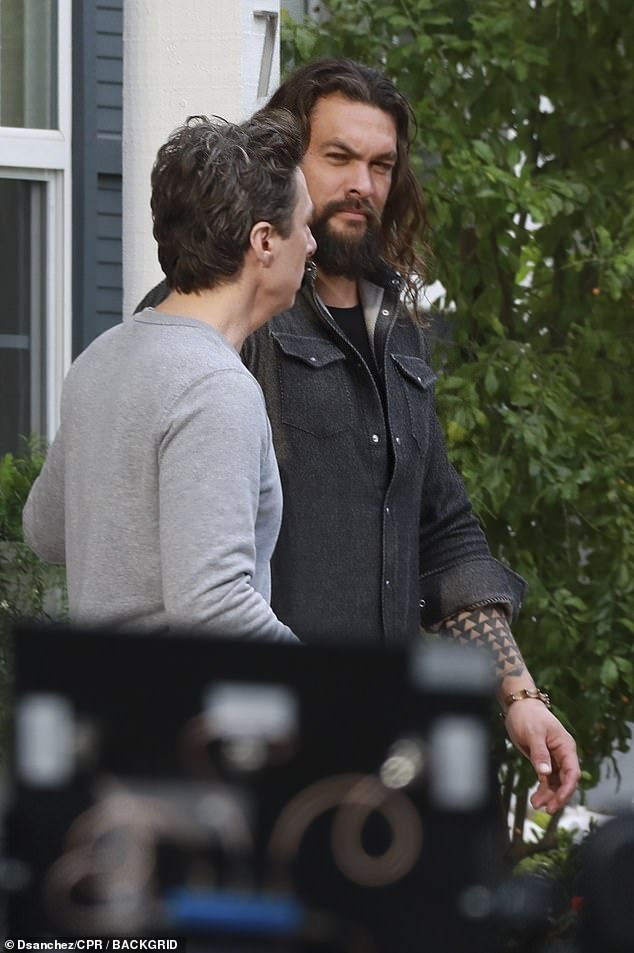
(352,323)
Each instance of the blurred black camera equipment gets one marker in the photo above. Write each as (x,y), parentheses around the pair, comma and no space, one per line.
(606,923)
(252,797)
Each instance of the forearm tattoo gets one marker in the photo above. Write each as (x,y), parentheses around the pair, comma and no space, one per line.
(487,627)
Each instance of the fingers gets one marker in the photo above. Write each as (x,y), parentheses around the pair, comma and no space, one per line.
(550,749)
(547,796)
(541,799)
(555,788)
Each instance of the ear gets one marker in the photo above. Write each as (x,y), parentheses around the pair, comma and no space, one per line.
(263,239)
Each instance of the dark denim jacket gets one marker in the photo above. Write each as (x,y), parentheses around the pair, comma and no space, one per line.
(378,536)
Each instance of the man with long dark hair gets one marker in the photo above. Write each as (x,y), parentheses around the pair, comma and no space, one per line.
(378,536)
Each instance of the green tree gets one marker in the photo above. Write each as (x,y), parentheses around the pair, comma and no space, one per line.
(525,150)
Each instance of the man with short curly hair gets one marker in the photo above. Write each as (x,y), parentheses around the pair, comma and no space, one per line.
(161,491)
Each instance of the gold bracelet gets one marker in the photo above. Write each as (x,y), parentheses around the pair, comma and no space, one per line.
(527,693)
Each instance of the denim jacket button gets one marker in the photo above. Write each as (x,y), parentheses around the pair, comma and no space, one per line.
(422,603)
(375,438)
(387,583)
(385,312)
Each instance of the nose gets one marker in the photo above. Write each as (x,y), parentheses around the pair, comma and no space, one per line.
(311,245)
(361,182)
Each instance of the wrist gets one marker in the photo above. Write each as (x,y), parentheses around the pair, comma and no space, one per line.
(523,694)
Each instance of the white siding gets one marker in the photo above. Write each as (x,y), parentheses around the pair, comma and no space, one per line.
(182,59)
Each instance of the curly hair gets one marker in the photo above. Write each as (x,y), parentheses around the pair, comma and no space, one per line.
(211,182)
(404,220)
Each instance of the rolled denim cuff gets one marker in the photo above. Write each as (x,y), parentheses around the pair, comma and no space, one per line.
(479,582)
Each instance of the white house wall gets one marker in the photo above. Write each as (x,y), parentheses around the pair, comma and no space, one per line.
(182,59)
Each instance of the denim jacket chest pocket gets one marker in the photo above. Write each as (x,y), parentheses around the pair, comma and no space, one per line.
(416,379)
(314,392)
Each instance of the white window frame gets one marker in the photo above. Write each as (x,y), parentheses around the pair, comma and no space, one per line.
(44,155)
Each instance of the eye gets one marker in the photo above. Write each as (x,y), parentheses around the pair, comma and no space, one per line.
(337,156)
(385,168)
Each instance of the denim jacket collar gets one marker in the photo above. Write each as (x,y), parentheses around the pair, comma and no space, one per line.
(371,293)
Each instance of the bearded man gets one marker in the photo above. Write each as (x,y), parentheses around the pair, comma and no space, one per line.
(378,537)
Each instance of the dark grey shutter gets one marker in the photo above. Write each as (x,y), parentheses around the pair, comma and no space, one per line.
(97,129)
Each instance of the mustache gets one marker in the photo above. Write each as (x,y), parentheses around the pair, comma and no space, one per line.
(352,204)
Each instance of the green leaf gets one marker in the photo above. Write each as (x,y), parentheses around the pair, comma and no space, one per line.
(456,433)
(490,381)
(483,150)
(609,672)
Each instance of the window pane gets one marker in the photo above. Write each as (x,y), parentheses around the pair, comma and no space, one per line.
(28,64)
(23,280)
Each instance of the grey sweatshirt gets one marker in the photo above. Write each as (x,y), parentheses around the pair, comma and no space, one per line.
(161,492)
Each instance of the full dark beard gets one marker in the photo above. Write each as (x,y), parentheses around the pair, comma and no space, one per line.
(348,256)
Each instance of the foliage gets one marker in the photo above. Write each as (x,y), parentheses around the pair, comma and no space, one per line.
(16,476)
(525,151)
(28,587)
(559,872)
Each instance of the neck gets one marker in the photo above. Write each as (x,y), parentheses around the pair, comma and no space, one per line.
(336,291)
(225,308)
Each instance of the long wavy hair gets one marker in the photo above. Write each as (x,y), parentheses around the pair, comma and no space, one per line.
(404,223)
